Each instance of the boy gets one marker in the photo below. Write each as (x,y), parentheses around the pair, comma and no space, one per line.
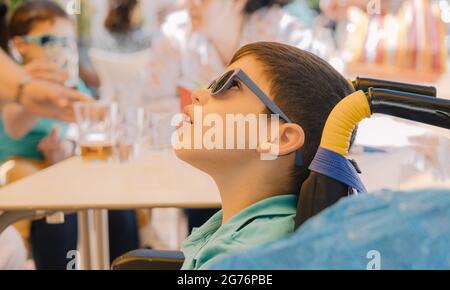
(259,197)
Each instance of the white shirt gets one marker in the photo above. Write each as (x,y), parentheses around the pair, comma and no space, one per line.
(13,254)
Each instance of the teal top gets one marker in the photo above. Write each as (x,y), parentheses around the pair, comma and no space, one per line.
(26,147)
(263,222)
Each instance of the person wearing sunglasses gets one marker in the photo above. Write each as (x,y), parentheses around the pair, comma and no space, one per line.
(259,197)
(42,98)
(194,44)
(43,40)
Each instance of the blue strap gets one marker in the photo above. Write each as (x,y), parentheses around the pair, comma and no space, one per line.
(299,157)
(338,167)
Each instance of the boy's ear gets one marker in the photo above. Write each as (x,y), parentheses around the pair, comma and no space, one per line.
(291,138)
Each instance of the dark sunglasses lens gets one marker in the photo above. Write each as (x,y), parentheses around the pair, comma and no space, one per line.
(46,39)
(219,85)
(212,85)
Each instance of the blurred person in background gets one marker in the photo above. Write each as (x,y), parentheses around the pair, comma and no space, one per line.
(43,39)
(13,254)
(195,45)
(123,28)
(134,20)
(40,97)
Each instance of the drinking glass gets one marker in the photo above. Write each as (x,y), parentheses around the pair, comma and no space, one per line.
(64,56)
(130,133)
(97,125)
(160,115)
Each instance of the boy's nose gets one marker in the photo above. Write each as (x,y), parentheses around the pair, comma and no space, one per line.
(200,97)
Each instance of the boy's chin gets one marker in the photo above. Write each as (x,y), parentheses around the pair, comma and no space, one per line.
(194,157)
(215,161)
(204,160)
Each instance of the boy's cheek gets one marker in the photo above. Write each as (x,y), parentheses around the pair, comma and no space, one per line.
(224,134)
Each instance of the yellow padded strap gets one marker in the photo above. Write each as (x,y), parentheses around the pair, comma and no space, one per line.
(342,120)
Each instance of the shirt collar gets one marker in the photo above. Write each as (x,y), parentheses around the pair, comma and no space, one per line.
(272,206)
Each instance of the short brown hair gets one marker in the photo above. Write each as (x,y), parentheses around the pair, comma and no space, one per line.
(305,87)
(119,16)
(29,13)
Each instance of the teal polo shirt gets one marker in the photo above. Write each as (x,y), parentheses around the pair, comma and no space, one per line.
(266,221)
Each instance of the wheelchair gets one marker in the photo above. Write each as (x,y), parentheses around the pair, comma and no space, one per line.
(329,182)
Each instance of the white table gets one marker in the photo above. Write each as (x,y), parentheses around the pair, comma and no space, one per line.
(157,180)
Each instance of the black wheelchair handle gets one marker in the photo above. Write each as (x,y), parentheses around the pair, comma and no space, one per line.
(365,83)
(414,107)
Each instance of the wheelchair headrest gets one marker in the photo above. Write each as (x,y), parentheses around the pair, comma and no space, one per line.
(331,175)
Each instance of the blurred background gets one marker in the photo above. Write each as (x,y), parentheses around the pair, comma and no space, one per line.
(402,39)
(147,57)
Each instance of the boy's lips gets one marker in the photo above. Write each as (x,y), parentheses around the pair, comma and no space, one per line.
(189,114)
(187,119)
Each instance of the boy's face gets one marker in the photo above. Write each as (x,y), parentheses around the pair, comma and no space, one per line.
(31,51)
(234,101)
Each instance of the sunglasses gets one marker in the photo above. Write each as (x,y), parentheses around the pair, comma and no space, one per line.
(46,40)
(227,81)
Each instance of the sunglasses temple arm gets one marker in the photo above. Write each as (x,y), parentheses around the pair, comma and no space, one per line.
(271,105)
(262,96)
